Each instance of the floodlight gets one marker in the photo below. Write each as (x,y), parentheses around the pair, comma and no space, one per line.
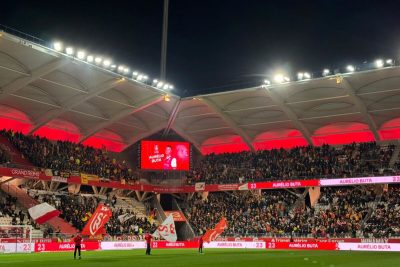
(90,59)
(57,46)
(69,50)
(350,68)
(81,55)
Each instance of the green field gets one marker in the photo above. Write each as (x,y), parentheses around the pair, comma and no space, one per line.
(220,258)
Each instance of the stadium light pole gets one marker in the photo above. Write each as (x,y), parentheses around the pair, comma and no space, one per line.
(164,41)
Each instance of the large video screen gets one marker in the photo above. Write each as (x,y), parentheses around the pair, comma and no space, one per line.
(164,155)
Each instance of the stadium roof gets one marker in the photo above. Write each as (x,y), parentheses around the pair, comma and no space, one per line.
(51,94)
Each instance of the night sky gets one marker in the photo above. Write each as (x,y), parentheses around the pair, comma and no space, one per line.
(216,45)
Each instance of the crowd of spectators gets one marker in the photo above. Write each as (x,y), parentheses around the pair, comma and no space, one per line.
(68,156)
(78,209)
(10,209)
(357,159)
(4,156)
(277,213)
(133,226)
(247,214)
(385,220)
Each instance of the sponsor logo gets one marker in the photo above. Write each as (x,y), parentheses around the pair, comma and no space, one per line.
(59,179)
(200,186)
(25,173)
(373,246)
(228,187)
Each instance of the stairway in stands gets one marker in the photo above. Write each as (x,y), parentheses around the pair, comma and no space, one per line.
(131,204)
(27,202)
(16,155)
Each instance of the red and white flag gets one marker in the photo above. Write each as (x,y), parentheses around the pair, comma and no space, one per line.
(43,212)
(167,230)
(212,234)
(99,218)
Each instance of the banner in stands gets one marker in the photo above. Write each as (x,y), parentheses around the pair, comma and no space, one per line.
(48,172)
(85,178)
(59,179)
(165,155)
(200,186)
(283,184)
(177,215)
(360,180)
(99,218)
(25,173)
(65,246)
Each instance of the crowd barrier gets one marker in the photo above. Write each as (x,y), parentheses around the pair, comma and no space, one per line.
(131,245)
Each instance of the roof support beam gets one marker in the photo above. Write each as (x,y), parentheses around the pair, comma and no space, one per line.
(9,179)
(245,137)
(75,101)
(145,134)
(361,107)
(123,113)
(290,113)
(182,133)
(172,117)
(20,83)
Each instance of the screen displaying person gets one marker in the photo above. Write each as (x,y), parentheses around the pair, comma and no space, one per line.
(169,161)
(182,153)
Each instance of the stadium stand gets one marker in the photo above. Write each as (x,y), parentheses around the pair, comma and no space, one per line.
(357,159)
(341,213)
(67,156)
(77,210)
(4,158)
(384,221)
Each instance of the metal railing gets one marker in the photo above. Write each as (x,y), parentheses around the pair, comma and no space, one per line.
(25,36)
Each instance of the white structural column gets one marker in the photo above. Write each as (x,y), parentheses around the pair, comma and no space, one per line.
(172,117)
(123,113)
(20,83)
(361,107)
(75,101)
(290,114)
(245,137)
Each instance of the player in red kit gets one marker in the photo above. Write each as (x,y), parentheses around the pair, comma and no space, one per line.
(148,243)
(77,240)
(201,244)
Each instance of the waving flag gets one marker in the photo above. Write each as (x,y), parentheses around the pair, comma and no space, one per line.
(212,234)
(124,217)
(167,230)
(43,212)
(99,218)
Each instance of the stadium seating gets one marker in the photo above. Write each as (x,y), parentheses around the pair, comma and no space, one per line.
(385,219)
(361,159)
(4,157)
(67,156)
(342,211)
(77,210)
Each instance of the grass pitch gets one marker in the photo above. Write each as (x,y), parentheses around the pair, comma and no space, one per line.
(211,258)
